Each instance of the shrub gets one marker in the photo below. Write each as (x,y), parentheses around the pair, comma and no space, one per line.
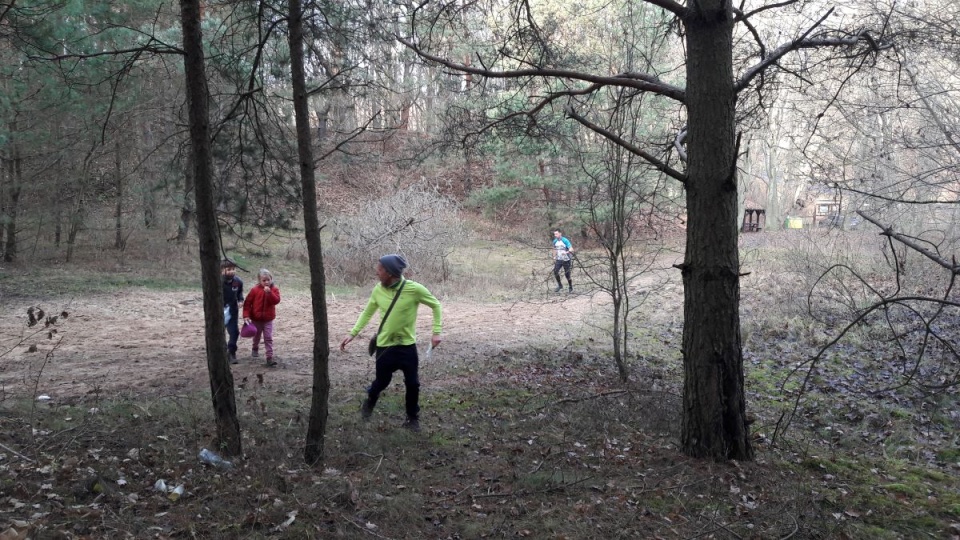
(416,222)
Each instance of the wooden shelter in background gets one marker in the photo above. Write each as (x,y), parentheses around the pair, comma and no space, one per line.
(826,210)
(754,219)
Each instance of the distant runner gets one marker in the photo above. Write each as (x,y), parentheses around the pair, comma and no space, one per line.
(563,254)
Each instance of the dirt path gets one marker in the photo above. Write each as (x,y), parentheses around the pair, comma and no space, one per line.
(146,342)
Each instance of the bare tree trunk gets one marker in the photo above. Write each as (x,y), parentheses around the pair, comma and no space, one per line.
(714,407)
(12,202)
(313,451)
(58,225)
(221,379)
(118,210)
(148,199)
(187,214)
(5,180)
(77,214)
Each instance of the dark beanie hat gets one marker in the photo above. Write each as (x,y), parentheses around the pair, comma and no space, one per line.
(393,264)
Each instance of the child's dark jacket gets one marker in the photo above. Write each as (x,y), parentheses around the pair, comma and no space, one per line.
(232,294)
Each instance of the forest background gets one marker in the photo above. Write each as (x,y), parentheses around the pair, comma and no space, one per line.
(461,134)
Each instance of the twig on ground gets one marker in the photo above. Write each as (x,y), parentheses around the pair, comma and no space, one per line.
(364,529)
(796,527)
(14,452)
(381,456)
(457,494)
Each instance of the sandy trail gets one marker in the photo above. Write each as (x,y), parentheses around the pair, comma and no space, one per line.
(147,342)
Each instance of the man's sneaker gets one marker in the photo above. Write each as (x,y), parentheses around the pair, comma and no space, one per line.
(366,409)
(570,290)
(412,424)
(233,358)
(558,289)
(254,353)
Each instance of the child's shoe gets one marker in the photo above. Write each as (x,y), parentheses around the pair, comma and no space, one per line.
(412,424)
(233,358)
(255,353)
(271,362)
(366,409)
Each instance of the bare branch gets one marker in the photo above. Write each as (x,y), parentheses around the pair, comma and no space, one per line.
(531,113)
(639,81)
(359,131)
(670,6)
(803,42)
(678,144)
(740,17)
(925,99)
(616,139)
(888,231)
(155,49)
(765,8)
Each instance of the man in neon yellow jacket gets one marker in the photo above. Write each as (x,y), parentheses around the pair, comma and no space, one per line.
(397,340)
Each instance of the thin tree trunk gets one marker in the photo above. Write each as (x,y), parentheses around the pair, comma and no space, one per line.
(118,242)
(58,218)
(15,176)
(149,201)
(14,189)
(714,407)
(5,180)
(76,215)
(187,214)
(12,246)
(313,452)
(221,379)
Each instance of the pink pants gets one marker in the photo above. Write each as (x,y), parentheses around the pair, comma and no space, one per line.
(265,329)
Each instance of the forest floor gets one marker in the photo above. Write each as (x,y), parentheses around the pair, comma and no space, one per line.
(148,341)
(527,430)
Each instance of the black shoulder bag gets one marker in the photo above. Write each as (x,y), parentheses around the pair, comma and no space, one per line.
(372,348)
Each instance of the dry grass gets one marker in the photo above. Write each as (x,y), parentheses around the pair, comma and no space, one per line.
(531,442)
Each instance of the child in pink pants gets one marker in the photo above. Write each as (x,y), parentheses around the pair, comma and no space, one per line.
(259,307)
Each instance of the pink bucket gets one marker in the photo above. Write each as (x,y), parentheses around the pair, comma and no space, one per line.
(248,330)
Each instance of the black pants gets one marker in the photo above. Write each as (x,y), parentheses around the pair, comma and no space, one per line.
(393,358)
(233,331)
(565,265)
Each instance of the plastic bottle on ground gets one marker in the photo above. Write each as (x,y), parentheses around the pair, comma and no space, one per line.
(214,459)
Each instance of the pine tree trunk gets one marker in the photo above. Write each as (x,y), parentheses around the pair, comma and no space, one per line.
(12,203)
(714,406)
(313,452)
(187,214)
(221,379)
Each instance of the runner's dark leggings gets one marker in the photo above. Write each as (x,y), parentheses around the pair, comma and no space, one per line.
(393,358)
(557,265)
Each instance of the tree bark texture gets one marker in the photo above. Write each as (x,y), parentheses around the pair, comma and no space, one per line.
(221,379)
(189,196)
(714,408)
(12,204)
(313,452)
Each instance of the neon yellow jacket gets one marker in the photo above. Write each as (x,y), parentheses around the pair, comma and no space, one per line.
(401,325)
